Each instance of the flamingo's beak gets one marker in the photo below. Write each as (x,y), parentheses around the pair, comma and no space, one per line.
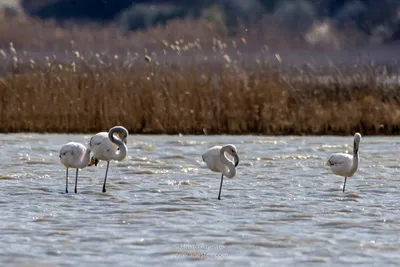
(236,159)
(356,145)
(92,162)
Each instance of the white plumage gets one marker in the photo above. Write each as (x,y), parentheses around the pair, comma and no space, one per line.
(106,147)
(74,155)
(103,148)
(217,160)
(345,164)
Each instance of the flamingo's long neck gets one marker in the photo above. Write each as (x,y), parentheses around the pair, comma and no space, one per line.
(121,145)
(84,161)
(355,158)
(228,163)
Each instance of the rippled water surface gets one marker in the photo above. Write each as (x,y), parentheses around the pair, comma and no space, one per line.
(284,207)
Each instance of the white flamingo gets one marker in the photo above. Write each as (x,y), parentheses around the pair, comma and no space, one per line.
(217,161)
(345,164)
(74,155)
(106,147)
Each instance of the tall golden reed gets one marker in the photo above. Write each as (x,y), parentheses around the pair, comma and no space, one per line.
(193,100)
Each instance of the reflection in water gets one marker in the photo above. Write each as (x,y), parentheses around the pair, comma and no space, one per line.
(284,206)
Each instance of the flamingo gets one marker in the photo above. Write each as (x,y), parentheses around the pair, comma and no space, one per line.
(217,161)
(106,147)
(74,155)
(345,164)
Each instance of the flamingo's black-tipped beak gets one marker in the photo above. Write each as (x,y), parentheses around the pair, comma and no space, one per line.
(93,161)
(236,160)
(355,147)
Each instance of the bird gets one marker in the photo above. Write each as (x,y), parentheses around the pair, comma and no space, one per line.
(106,147)
(217,161)
(345,164)
(74,155)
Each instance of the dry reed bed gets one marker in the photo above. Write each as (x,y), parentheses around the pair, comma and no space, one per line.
(197,99)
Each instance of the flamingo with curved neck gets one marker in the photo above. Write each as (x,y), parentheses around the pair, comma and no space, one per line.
(217,161)
(107,147)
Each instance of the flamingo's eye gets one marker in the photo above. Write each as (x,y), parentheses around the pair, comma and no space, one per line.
(65,153)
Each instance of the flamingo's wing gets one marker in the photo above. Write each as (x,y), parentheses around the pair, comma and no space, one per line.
(98,139)
(339,159)
(211,158)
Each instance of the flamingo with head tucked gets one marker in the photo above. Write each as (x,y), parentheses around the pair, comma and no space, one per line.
(74,155)
(217,161)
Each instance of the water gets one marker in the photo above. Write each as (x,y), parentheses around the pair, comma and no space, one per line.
(284,207)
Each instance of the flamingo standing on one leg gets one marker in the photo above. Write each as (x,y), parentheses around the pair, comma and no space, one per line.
(345,164)
(74,155)
(217,161)
(106,147)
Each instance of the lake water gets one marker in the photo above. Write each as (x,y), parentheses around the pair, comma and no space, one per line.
(283,208)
